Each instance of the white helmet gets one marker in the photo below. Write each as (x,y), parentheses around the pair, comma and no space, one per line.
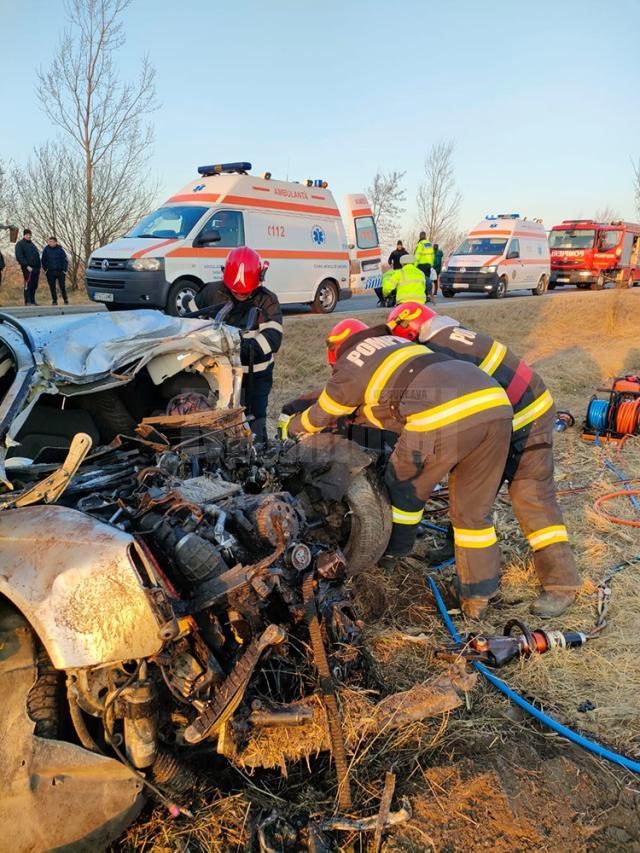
(408,259)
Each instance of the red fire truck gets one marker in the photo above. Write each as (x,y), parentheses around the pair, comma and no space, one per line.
(591,254)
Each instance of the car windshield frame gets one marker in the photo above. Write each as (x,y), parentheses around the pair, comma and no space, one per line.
(574,232)
(189,214)
(481,246)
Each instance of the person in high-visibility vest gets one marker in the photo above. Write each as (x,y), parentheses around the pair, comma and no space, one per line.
(425,255)
(408,284)
(529,468)
(385,283)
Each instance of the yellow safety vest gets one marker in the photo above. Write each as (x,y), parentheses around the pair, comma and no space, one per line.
(409,283)
(424,252)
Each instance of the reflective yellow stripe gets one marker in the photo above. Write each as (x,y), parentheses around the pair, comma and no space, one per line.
(283,423)
(475,538)
(340,337)
(331,407)
(383,374)
(532,411)
(548,536)
(456,410)
(493,359)
(402,516)
(307,426)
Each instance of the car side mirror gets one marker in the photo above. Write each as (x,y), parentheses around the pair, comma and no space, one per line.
(513,255)
(209,235)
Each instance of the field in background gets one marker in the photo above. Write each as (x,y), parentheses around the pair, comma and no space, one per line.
(12,293)
(486,777)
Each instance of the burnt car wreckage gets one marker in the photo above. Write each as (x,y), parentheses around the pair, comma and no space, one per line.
(167,589)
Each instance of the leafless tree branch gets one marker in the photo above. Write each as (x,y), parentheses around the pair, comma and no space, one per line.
(103,117)
(438,200)
(387,198)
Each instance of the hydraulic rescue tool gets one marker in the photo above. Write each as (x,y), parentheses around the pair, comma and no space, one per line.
(496,651)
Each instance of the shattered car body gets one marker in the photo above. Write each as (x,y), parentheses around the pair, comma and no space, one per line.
(161,606)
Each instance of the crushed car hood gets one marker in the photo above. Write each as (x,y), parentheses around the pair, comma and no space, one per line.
(86,348)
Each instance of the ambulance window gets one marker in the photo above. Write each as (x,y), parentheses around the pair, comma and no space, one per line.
(366,234)
(514,249)
(169,223)
(230,225)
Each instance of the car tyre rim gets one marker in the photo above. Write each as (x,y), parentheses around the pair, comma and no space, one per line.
(181,295)
(326,296)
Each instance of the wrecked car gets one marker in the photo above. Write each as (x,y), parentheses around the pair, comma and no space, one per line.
(162,579)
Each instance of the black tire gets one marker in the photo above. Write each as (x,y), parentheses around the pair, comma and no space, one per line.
(599,283)
(448,294)
(326,298)
(109,413)
(370,511)
(179,294)
(501,289)
(542,286)
(583,286)
(552,285)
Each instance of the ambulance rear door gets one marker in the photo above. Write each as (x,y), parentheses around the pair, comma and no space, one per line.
(364,246)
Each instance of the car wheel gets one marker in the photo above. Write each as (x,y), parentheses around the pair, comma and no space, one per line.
(448,294)
(370,511)
(599,283)
(552,285)
(54,794)
(583,286)
(542,286)
(326,298)
(181,293)
(501,289)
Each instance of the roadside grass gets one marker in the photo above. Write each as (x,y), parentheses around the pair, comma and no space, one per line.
(12,288)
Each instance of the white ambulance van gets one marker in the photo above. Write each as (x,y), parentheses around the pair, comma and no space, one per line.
(314,257)
(501,253)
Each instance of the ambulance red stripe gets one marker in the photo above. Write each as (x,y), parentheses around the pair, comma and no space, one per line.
(195,197)
(243,201)
(155,246)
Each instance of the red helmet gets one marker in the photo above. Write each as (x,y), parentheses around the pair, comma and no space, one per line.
(243,271)
(339,334)
(406,320)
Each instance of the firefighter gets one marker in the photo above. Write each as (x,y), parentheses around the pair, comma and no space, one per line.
(406,284)
(529,469)
(451,418)
(425,256)
(241,286)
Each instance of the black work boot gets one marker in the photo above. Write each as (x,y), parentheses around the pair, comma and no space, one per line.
(446,552)
(548,605)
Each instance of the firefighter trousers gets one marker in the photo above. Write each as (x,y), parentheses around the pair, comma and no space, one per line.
(475,459)
(532,488)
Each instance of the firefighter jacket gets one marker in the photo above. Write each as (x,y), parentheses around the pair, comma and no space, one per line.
(259,344)
(526,391)
(409,284)
(403,387)
(424,252)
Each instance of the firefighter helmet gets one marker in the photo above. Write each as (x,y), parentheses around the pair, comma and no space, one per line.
(243,271)
(406,320)
(339,334)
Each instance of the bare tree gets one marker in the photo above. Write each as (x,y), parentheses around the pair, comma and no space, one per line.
(48,194)
(438,200)
(105,118)
(607,214)
(387,198)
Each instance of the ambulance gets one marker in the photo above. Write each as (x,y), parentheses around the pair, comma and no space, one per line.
(314,257)
(501,253)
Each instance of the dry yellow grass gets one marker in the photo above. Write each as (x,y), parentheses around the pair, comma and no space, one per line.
(577,342)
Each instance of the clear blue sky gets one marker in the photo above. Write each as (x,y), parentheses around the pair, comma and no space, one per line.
(542,97)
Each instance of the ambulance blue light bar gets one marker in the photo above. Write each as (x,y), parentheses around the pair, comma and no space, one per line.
(223,169)
(504,216)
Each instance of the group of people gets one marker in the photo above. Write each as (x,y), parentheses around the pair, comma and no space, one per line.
(411,277)
(53,262)
(450,402)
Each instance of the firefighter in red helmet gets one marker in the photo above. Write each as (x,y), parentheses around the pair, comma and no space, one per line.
(242,290)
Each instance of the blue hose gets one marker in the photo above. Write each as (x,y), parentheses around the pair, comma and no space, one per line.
(597,414)
(622,477)
(554,725)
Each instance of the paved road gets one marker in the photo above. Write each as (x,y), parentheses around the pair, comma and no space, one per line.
(368,301)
